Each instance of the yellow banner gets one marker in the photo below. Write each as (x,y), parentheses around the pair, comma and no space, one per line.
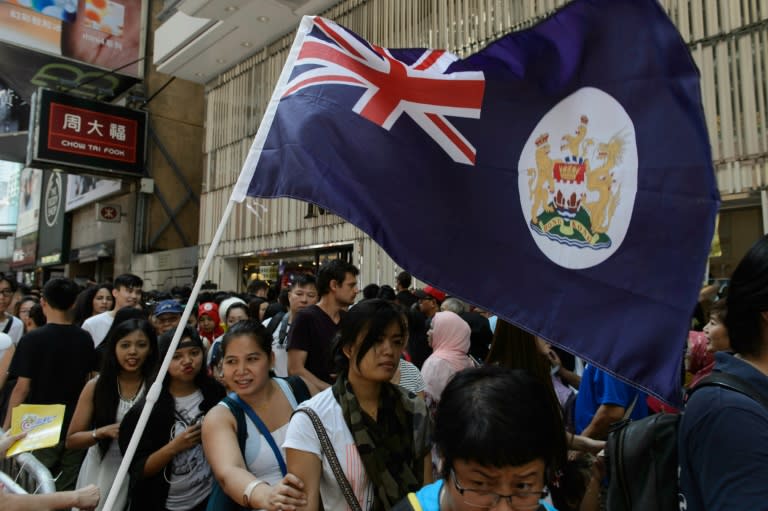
(41,423)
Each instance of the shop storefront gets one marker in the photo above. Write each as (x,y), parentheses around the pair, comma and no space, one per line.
(280,268)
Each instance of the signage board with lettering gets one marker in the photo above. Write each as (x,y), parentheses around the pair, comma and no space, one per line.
(75,134)
(54,231)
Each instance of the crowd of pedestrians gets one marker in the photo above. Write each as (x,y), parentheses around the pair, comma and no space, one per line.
(311,398)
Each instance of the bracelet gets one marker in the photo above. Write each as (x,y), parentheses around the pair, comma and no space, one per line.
(93,434)
(247,492)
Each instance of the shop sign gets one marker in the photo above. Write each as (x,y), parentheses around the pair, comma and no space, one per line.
(24,251)
(108,213)
(29,201)
(53,243)
(76,134)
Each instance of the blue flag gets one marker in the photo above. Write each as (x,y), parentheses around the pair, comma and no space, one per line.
(561,177)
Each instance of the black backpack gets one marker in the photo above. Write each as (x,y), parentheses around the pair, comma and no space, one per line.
(641,456)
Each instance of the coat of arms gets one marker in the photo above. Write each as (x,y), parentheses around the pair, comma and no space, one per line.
(574,196)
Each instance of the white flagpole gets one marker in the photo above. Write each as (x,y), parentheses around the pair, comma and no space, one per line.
(238,195)
(154,390)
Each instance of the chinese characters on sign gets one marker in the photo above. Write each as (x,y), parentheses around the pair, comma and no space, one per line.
(82,136)
(90,133)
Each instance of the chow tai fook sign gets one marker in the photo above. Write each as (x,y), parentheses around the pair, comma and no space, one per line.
(76,134)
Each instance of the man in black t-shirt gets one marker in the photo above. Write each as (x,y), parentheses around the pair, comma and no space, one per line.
(52,364)
(313,329)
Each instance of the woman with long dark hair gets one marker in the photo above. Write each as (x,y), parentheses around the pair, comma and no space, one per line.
(379,432)
(93,300)
(129,362)
(169,470)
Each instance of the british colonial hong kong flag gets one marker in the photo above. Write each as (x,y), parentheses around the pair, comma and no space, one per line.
(561,177)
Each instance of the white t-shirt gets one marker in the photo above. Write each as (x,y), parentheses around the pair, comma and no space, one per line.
(278,347)
(15,332)
(189,474)
(98,326)
(301,436)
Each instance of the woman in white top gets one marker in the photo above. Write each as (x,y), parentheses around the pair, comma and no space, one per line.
(252,478)
(129,362)
(379,432)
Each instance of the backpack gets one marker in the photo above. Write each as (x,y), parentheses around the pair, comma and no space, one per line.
(641,456)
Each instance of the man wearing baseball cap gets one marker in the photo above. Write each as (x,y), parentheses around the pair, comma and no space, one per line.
(167,316)
(430,299)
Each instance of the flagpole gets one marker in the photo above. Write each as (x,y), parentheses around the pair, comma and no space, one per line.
(239,193)
(154,390)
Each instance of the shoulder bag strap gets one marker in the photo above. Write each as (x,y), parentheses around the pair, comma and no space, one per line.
(330,455)
(414,501)
(264,432)
(242,430)
(631,408)
(732,383)
(8,325)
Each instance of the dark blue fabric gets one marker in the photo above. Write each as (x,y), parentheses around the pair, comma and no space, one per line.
(600,388)
(723,444)
(462,228)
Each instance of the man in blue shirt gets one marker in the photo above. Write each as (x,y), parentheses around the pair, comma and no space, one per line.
(603,400)
(723,436)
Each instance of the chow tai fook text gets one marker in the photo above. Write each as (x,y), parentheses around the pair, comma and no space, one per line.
(73,132)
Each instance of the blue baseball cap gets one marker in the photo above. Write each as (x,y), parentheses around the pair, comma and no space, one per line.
(168,307)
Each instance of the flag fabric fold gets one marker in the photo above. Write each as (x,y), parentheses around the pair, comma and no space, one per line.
(561,177)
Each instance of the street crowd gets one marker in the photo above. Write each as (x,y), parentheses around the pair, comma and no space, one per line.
(310,397)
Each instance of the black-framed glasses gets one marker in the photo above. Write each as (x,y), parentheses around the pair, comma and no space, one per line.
(7,292)
(522,500)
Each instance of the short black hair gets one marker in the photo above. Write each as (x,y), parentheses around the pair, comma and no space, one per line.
(305,279)
(371,318)
(747,297)
(387,293)
(7,277)
(253,329)
(60,293)
(404,279)
(371,291)
(256,285)
(128,280)
(335,270)
(498,417)
(36,315)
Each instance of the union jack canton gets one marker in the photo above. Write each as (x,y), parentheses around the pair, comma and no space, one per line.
(421,89)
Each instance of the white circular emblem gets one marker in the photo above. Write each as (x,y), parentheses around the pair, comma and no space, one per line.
(52,199)
(578,179)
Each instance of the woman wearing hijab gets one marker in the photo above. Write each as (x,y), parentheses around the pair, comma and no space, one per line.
(449,338)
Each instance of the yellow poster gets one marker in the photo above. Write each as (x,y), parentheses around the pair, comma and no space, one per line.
(41,423)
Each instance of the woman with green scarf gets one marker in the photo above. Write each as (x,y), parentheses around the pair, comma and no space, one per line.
(379,433)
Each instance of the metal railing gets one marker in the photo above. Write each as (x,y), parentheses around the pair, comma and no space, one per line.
(23,473)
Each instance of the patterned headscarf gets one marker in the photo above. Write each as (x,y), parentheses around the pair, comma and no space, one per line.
(700,360)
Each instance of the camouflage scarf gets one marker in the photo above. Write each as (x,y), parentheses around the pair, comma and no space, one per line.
(385,445)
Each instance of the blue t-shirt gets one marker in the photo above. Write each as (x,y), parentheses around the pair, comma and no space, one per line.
(429,497)
(723,444)
(600,388)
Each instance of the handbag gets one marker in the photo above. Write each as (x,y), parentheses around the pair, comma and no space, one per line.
(330,454)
